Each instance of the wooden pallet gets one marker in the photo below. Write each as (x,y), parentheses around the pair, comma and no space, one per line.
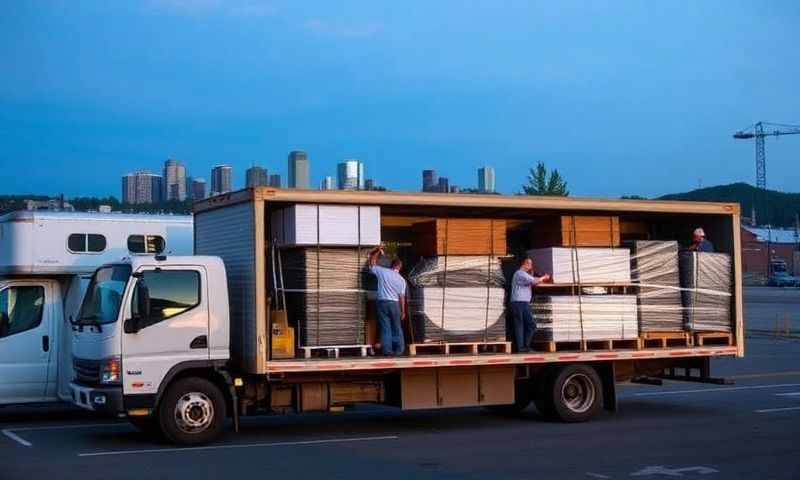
(584,345)
(471,348)
(336,351)
(713,338)
(667,339)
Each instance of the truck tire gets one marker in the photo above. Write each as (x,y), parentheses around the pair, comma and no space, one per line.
(192,412)
(576,392)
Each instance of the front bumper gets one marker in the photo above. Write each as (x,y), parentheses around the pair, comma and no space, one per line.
(106,400)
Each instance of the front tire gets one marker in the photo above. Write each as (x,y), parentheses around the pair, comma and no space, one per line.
(192,412)
(576,392)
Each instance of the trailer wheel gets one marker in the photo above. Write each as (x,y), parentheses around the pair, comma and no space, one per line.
(192,412)
(576,392)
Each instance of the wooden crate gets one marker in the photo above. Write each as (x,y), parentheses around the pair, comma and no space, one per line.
(589,231)
(460,236)
(713,338)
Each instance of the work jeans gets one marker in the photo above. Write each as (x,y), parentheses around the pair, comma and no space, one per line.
(392,342)
(523,325)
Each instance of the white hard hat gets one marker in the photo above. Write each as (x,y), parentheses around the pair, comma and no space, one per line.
(699,232)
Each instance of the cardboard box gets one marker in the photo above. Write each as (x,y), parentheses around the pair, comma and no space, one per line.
(588,231)
(583,265)
(331,225)
(460,236)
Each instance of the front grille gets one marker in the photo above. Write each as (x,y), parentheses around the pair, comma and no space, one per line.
(86,371)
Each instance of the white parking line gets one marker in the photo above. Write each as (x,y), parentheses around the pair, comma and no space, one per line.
(721,389)
(790,394)
(17,438)
(773,410)
(66,427)
(249,445)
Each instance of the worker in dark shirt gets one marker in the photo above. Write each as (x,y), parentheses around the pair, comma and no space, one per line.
(699,242)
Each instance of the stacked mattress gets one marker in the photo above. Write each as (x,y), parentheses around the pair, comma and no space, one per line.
(583,264)
(706,282)
(325,294)
(458,299)
(654,265)
(587,317)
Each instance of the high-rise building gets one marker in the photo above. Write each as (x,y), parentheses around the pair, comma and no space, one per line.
(455,189)
(299,170)
(174,180)
(275,180)
(429,181)
(256,176)
(221,176)
(486,180)
(369,184)
(198,189)
(141,187)
(350,175)
(444,185)
(327,183)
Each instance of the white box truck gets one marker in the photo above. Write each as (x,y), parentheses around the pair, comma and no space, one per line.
(46,260)
(179,343)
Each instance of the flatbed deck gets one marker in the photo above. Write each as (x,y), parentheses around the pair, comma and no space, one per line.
(423,361)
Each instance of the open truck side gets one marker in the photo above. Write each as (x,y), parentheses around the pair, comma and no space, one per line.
(212,356)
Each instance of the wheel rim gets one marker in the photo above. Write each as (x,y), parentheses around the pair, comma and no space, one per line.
(577,393)
(194,412)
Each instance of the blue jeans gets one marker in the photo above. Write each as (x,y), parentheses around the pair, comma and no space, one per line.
(392,342)
(523,325)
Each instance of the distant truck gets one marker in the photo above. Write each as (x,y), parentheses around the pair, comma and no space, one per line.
(779,275)
(179,343)
(46,260)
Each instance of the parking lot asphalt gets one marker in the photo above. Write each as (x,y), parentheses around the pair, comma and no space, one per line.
(680,430)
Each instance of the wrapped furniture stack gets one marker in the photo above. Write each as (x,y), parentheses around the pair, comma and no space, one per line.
(458,286)
(654,266)
(324,251)
(572,318)
(706,282)
(584,265)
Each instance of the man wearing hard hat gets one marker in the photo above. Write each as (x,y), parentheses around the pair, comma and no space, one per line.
(699,242)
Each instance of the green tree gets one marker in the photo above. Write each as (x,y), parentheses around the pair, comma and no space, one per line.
(540,182)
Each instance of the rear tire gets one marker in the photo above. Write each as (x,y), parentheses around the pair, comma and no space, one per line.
(576,392)
(192,412)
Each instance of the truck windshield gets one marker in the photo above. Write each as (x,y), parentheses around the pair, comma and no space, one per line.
(104,295)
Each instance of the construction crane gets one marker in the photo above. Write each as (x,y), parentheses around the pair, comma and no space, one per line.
(757,131)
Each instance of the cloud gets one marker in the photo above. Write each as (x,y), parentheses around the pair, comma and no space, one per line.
(240,8)
(322,27)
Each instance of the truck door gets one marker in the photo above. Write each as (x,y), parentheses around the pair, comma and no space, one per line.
(25,342)
(175,330)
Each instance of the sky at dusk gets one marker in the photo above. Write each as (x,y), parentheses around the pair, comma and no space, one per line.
(623,98)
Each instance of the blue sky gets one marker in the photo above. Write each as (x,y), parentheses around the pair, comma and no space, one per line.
(623,98)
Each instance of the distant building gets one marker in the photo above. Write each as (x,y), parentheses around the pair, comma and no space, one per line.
(142,187)
(444,185)
(486,180)
(275,180)
(429,181)
(299,170)
(221,176)
(761,245)
(198,189)
(174,180)
(327,183)
(369,184)
(104,208)
(350,175)
(454,189)
(256,177)
(53,205)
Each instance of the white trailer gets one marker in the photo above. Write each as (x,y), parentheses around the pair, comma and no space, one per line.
(46,261)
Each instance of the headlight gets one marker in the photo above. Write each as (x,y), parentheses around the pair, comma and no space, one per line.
(111,370)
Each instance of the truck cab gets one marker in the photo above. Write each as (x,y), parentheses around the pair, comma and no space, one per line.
(46,261)
(143,323)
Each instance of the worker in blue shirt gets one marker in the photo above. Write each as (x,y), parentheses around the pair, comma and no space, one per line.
(699,242)
(391,302)
(521,293)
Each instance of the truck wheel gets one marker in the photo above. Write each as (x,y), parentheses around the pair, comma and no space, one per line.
(576,392)
(192,412)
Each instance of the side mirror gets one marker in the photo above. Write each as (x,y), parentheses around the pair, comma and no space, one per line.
(142,314)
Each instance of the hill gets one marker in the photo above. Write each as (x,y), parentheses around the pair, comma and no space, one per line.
(772,207)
